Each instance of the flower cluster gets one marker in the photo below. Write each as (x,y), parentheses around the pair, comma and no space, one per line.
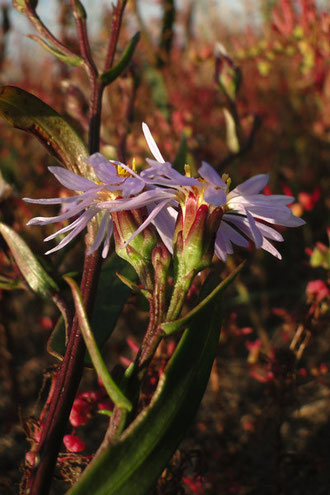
(175,204)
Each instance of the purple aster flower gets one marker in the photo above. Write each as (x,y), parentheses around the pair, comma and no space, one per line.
(118,188)
(246,212)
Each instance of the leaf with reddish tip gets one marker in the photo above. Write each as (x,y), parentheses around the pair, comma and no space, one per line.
(28,113)
(32,271)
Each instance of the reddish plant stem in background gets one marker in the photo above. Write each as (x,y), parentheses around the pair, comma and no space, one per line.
(117,16)
(85,49)
(66,384)
(70,371)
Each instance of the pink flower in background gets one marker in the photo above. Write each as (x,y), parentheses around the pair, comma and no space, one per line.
(317,289)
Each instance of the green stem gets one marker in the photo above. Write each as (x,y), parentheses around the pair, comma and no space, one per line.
(179,294)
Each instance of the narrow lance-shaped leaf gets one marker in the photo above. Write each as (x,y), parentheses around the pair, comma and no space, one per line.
(73,60)
(111,296)
(110,75)
(35,275)
(109,384)
(27,112)
(135,461)
(173,326)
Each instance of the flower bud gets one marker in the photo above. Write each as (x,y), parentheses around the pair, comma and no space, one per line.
(227,74)
(138,252)
(194,236)
(161,260)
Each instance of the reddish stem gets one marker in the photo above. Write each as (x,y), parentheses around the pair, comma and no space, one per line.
(84,45)
(70,371)
(66,384)
(117,16)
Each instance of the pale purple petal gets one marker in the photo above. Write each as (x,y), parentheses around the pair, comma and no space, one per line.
(165,174)
(269,232)
(256,235)
(233,235)
(69,227)
(220,247)
(107,239)
(154,163)
(279,201)
(215,197)
(139,201)
(152,143)
(132,186)
(280,216)
(225,241)
(71,180)
(85,218)
(267,246)
(148,220)
(100,234)
(181,180)
(240,222)
(70,213)
(211,176)
(243,224)
(165,224)
(251,186)
(53,201)
(104,170)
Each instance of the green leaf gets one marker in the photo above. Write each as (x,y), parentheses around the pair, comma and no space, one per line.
(173,326)
(135,461)
(111,296)
(112,74)
(181,156)
(10,284)
(27,112)
(73,60)
(35,275)
(158,89)
(231,131)
(114,392)
(56,344)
